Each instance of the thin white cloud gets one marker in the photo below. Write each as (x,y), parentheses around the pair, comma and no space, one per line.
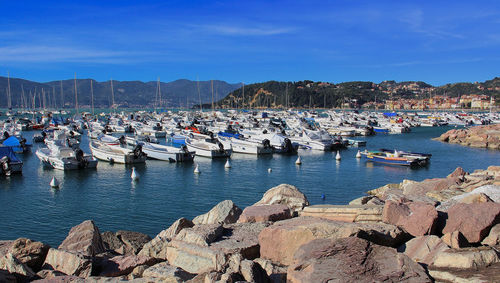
(224,29)
(43,54)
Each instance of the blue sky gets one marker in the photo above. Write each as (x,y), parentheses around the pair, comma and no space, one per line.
(251,41)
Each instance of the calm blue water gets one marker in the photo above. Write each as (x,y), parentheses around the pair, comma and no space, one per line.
(168,191)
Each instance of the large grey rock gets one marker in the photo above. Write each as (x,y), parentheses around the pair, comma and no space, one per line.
(352,260)
(166,273)
(491,191)
(29,252)
(285,194)
(16,267)
(68,263)
(84,238)
(134,241)
(157,247)
(112,242)
(225,212)
(238,238)
(202,235)
(280,241)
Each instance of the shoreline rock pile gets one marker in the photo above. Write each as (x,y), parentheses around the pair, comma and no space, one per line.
(437,230)
(478,136)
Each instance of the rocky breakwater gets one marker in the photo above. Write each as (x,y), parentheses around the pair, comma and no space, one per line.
(477,136)
(444,230)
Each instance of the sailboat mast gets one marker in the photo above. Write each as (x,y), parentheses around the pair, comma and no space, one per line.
(199,94)
(159,93)
(23,103)
(9,99)
(92,97)
(76,98)
(212,85)
(62,95)
(112,95)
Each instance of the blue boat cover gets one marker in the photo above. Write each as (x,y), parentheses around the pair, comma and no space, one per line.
(7,151)
(390,114)
(11,141)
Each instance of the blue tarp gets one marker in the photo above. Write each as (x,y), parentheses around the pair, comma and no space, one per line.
(7,151)
(390,114)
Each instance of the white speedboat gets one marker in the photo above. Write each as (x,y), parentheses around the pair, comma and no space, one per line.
(210,149)
(246,146)
(117,153)
(65,158)
(163,152)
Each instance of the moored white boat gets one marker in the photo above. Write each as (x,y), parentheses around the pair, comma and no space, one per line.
(208,149)
(65,158)
(116,153)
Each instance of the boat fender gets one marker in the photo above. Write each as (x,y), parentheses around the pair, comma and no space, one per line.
(4,161)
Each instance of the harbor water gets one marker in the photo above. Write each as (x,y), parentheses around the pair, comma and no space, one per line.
(167,191)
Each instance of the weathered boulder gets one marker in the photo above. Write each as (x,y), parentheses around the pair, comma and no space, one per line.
(380,192)
(4,247)
(134,241)
(166,273)
(49,274)
(29,252)
(123,264)
(487,193)
(225,212)
(487,274)
(418,219)
(157,247)
(84,238)
(352,260)
(15,267)
(280,241)
(361,200)
(240,238)
(473,220)
(112,242)
(466,258)
(345,213)
(285,194)
(276,273)
(478,136)
(423,249)
(202,235)
(455,240)
(253,272)
(429,185)
(68,263)
(493,238)
(263,213)
(458,173)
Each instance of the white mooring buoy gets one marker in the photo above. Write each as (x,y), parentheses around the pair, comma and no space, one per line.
(54,183)
(298,161)
(134,175)
(337,157)
(269,170)
(358,155)
(228,164)
(197,169)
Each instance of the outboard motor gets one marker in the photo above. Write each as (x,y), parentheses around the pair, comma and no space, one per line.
(82,163)
(184,148)
(122,140)
(288,145)
(221,146)
(138,151)
(5,165)
(6,135)
(266,143)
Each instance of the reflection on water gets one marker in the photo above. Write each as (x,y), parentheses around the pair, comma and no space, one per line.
(168,191)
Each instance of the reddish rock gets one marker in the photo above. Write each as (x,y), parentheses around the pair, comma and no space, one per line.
(84,238)
(29,252)
(473,220)
(280,241)
(285,194)
(418,219)
(122,265)
(455,240)
(458,173)
(352,260)
(262,213)
(429,185)
(134,241)
(423,249)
